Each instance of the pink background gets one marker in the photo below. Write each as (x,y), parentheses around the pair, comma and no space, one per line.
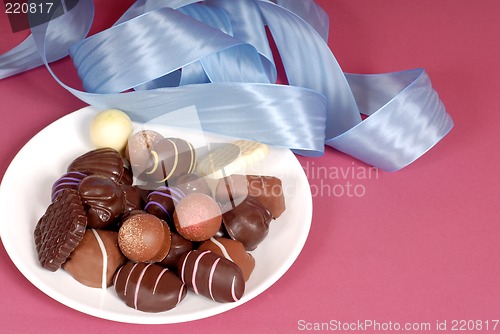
(420,245)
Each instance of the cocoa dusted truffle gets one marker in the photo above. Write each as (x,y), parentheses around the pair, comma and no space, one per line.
(232,250)
(148,287)
(197,217)
(212,276)
(248,223)
(96,259)
(144,238)
(103,199)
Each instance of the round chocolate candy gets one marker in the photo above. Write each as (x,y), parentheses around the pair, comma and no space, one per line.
(172,157)
(138,150)
(96,259)
(232,250)
(144,238)
(212,276)
(248,223)
(103,200)
(148,287)
(103,161)
(197,217)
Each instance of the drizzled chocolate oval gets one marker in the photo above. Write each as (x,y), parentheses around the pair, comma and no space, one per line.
(212,276)
(148,287)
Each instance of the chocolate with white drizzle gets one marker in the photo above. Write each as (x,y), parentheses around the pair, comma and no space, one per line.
(171,158)
(96,258)
(211,276)
(234,251)
(148,287)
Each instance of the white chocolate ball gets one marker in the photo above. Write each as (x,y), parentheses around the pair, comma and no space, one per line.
(111,128)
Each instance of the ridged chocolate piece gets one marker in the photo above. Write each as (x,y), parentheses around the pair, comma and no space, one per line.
(148,287)
(212,276)
(103,161)
(60,229)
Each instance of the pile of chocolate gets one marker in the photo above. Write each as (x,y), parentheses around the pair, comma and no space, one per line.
(155,239)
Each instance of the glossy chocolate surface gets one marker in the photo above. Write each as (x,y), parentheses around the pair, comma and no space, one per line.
(212,276)
(248,223)
(178,247)
(103,161)
(96,259)
(103,199)
(148,287)
(232,250)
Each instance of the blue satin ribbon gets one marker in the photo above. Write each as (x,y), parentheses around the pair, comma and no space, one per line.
(163,55)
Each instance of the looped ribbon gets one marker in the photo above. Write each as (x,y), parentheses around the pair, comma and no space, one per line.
(164,55)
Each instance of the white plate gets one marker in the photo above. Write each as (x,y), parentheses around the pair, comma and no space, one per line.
(25,194)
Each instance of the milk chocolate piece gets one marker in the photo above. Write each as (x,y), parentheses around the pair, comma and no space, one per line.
(60,229)
(212,276)
(144,238)
(103,161)
(96,259)
(232,250)
(248,223)
(197,217)
(148,287)
(103,200)
(267,189)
